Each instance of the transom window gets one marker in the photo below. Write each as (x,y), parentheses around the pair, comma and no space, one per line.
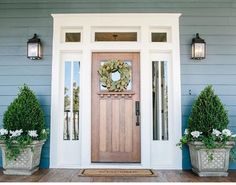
(115,36)
(159,37)
(72,37)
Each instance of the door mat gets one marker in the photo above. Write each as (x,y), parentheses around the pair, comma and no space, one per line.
(116,173)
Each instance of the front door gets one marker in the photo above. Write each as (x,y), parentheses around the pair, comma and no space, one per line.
(116,115)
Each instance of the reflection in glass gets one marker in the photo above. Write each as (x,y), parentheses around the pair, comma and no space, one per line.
(76,89)
(71,94)
(115,36)
(160,100)
(67,101)
(164,98)
(72,37)
(116,76)
(159,37)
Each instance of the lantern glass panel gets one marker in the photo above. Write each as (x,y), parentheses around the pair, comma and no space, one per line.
(199,50)
(40,51)
(193,51)
(33,50)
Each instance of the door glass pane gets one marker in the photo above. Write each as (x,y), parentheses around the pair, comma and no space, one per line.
(67,101)
(160,100)
(116,76)
(115,36)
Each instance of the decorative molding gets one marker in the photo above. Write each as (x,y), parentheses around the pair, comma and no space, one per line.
(155,154)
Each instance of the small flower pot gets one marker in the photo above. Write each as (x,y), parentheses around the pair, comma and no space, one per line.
(26,163)
(210,162)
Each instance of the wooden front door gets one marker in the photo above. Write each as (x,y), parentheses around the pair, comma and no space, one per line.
(115,115)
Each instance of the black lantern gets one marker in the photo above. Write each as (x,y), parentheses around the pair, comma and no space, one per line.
(34,50)
(198,48)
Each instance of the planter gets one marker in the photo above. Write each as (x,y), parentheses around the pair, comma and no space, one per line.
(26,163)
(203,166)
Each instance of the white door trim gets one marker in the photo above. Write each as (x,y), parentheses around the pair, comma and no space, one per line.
(87,24)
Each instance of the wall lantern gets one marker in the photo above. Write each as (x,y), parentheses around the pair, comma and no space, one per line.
(198,48)
(34,50)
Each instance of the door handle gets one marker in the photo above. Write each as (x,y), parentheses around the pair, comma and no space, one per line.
(137,112)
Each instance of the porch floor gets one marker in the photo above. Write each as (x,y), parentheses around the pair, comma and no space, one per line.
(71,175)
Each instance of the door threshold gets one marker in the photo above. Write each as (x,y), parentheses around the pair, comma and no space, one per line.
(117,165)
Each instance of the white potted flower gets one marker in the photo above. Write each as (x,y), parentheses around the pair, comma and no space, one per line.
(209,140)
(23,134)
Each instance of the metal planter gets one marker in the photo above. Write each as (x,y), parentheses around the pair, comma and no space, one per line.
(26,163)
(203,166)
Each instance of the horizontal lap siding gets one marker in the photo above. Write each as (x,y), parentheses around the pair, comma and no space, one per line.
(215,20)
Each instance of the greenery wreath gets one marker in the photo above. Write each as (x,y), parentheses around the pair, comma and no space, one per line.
(112,66)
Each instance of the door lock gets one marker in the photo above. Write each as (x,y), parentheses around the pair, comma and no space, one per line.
(137,112)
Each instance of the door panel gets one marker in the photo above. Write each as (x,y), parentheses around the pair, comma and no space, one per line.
(115,136)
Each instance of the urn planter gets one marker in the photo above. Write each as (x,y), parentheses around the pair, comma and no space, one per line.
(210,162)
(26,163)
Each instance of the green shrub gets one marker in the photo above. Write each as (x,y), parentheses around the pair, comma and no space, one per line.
(23,123)
(208,122)
(24,113)
(208,113)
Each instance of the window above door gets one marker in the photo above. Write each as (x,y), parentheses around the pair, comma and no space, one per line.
(115,34)
(71,35)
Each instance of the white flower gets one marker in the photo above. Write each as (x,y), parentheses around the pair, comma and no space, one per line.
(33,133)
(216,132)
(43,131)
(226,132)
(234,135)
(3,132)
(196,134)
(16,133)
(186,131)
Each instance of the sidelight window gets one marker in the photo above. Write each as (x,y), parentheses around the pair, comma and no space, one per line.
(160,100)
(71,100)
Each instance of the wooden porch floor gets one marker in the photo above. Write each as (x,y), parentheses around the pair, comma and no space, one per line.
(71,175)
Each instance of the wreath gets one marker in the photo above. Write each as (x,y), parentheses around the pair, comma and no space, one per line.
(112,66)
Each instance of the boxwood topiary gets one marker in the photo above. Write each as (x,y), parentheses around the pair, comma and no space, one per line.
(208,113)
(24,113)
(23,123)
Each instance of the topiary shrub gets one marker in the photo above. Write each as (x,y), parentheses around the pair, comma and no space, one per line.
(23,123)
(208,113)
(24,113)
(208,122)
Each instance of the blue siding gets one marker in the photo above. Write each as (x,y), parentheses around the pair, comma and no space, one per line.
(215,20)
